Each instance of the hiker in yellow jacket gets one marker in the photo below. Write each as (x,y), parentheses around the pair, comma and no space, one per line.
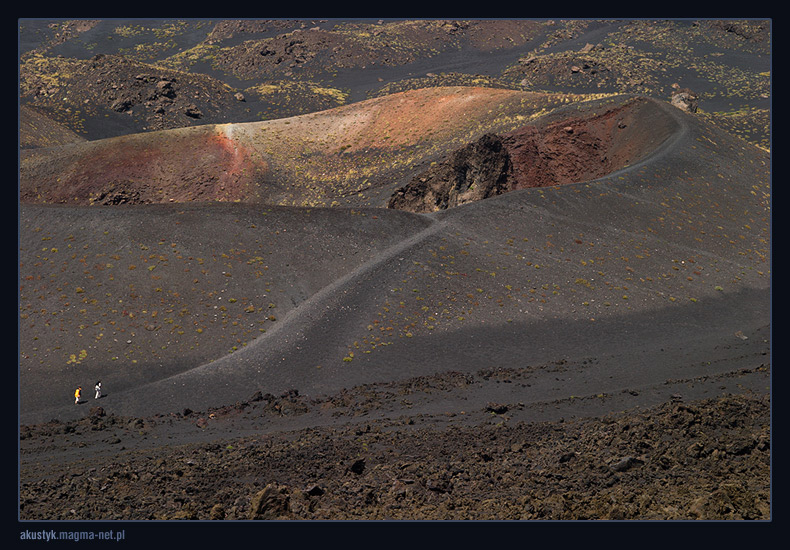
(77,395)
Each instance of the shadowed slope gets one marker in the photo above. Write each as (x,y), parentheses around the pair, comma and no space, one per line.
(669,257)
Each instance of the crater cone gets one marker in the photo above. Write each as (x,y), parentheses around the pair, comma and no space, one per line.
(566,147)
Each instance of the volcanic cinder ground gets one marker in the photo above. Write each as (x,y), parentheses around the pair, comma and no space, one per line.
(252,290)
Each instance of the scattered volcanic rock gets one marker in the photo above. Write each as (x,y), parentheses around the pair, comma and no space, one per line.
(685,99)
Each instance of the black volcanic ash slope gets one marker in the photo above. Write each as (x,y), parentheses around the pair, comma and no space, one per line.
(669,254)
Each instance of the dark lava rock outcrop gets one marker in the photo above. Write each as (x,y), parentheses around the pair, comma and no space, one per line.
(477,171)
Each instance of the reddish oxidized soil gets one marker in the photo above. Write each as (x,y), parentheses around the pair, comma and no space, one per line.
(203,166)
(572,150)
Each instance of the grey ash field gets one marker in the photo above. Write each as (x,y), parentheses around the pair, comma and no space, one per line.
(367,270)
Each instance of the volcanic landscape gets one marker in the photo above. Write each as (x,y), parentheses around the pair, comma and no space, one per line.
(394,269)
